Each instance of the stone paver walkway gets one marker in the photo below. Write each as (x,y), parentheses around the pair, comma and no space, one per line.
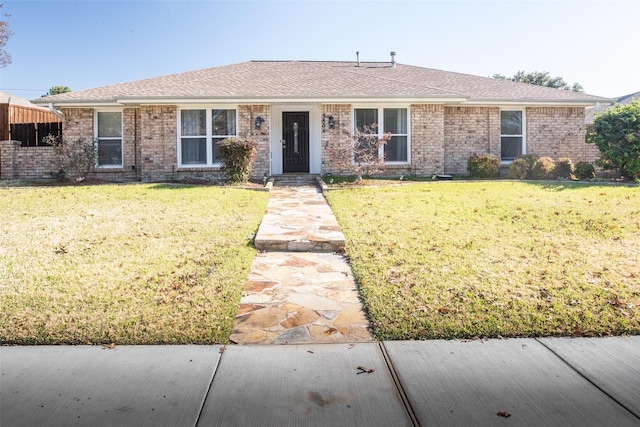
(298,219)
(299,290)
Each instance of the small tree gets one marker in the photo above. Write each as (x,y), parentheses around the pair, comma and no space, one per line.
(75,158)
(55,90)
(5,33)
(237,155)
(616,133)
(360,151)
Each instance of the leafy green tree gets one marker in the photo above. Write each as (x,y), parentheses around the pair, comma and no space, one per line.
(58,89)
(616,132)
(541,78)
(5,33)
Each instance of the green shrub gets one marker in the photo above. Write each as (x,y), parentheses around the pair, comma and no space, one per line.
(519,169)
(543,168)
(531,160)
(483,166)
(563,169)
(236,155)
(584,171)
(616,133)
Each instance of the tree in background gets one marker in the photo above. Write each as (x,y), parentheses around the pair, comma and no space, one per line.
(541,78)
(55,90)
(5,33)
(616,132)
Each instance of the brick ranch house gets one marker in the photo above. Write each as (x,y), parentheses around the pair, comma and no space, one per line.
(166,128)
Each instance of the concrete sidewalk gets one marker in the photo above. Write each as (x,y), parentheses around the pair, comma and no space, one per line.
(523,382)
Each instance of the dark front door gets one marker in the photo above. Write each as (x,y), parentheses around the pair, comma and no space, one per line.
(295,142)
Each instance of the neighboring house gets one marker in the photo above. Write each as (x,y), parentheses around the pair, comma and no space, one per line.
(301,112)
(591,112)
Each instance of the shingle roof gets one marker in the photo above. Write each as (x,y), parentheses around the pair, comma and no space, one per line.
(321,81)
(7,98)
(591,112)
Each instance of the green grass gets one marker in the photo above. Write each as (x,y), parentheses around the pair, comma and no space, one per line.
(124,264)
(489,259)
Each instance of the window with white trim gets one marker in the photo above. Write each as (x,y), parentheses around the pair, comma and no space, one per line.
(511,134)
(394,123)
(200,130)
(109,139)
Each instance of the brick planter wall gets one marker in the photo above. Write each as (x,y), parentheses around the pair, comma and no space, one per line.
(17,162)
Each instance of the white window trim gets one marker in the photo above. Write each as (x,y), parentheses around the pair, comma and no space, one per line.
(524,131)
(380,108)
(95,137)
(209,134)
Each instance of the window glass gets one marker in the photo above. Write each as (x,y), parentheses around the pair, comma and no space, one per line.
(223,122)
(109,153)
(511,122)
(366,119)
(194,122)
(194,151)
(200,133)
(511,147)
(395,150)
(109,138)
(109,124)
(395,120)
(511,137)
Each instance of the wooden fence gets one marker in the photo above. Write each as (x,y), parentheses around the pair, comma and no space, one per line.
(28,125)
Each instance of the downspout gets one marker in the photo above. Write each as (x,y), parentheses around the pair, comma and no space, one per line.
(56,112)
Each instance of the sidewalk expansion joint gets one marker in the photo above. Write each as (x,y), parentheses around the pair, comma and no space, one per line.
(588,379)
(396,381)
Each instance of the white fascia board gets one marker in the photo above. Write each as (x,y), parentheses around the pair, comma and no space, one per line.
(530,103)
(88,104)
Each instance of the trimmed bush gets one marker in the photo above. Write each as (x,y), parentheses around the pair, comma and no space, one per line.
(543,168)
(563,169)
(519,169)
(483,166)
(584,171)
(531,160)
(236,155)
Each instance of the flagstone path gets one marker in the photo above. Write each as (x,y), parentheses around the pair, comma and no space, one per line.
(299,289)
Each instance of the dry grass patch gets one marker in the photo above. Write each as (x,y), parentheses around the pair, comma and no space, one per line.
(489,259)
(124,264)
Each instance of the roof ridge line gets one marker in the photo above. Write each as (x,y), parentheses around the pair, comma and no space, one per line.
(401,81)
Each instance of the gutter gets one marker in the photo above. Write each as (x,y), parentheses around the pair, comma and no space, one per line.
(56,112)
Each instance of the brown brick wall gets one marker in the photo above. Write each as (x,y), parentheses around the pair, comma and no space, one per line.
(558,132)
(247,115)
(427,139)
(335,142)
(17,162)
(468,131)
(158,142)
(442,139)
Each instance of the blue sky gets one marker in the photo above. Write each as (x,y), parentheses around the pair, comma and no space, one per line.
(86,43)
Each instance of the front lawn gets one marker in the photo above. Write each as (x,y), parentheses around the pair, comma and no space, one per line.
(489,259)
(124,264)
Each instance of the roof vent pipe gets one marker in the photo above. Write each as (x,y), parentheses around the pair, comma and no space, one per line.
(358,59)
(393,59)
